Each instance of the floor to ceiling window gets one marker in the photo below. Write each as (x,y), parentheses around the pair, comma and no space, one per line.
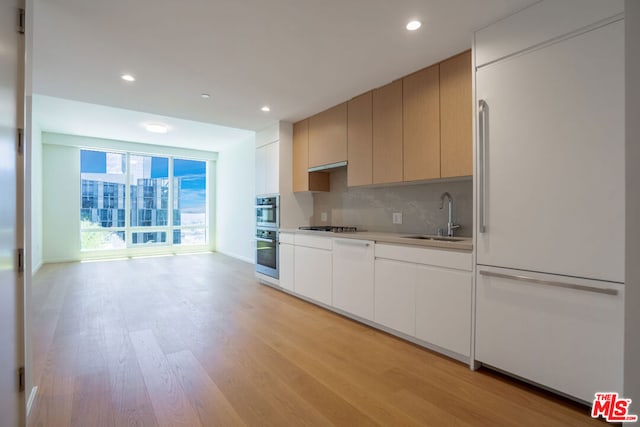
(134,201)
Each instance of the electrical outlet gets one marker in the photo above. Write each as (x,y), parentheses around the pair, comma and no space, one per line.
(323,216)
(397,217)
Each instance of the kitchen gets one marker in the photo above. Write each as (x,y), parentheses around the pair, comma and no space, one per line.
(493,295)
(464,263)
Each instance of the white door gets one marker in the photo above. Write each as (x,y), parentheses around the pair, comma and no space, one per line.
(554,170)
(11,290)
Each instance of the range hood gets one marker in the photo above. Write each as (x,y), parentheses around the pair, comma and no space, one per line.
(327,167)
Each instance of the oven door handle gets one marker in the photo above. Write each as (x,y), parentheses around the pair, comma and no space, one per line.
(261,239)
(265,206)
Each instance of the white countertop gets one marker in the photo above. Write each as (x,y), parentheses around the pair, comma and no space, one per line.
(464,244)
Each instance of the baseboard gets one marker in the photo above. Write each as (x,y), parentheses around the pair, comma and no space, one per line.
(31,399)
(236,256)
(35,269)
(60,261)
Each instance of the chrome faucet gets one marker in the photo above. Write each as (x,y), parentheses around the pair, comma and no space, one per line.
(450,225)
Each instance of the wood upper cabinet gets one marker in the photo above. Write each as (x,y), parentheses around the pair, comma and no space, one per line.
(301,156)
(456,111)
(302,179)
(421,124)
(387,133)
(413,129)
(328,136)
(360,140)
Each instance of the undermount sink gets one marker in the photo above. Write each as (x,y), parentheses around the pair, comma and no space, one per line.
(437,238)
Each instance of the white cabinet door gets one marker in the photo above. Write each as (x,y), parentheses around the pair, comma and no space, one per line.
(443,308)
(261,167)
(353,276)
(395,295)
(555,158)
(273,168)
(287,266)
(570,340)
(312,273)
(267,169)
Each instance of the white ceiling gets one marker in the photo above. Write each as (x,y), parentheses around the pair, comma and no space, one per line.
(99,121)
(297,56)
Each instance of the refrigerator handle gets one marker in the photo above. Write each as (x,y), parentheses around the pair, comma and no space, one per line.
(482,142)
(605,291)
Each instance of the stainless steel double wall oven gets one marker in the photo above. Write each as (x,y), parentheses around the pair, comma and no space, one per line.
(267,222)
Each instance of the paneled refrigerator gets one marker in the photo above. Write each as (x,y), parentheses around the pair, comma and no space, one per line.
(550,208)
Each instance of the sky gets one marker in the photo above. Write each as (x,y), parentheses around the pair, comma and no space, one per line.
(193,172)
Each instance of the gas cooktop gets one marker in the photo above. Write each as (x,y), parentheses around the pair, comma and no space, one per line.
(330,228)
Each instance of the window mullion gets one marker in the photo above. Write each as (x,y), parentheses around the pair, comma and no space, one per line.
(127,205)
(170,201)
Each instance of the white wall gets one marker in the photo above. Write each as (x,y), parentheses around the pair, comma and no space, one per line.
(235,222)
(61,203)
(632,274)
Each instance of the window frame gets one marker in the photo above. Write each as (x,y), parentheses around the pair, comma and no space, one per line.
(168,247)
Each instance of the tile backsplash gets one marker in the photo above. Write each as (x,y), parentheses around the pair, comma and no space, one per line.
(372,208)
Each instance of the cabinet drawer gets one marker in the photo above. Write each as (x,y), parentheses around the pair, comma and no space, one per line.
(568,339)
(318,242)
(428,256)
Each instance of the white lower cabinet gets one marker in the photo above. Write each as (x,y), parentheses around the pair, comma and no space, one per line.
(443,308)
(312,273)
(425,293)
(287,266)
(568,338)
(395,284)
(420,292)
(353,276)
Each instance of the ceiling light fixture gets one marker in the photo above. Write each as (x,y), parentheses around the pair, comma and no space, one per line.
(156,127)
(205,96)
(128,78)
(414,25)
(266,109)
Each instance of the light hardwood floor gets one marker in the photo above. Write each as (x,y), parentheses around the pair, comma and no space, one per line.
(195,340)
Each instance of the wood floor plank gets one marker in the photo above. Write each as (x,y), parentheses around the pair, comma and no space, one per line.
(170,404)
(54,399)
(92,404)
(131,401)
(212,406)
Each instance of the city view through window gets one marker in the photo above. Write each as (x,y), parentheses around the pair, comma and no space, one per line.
(147,188)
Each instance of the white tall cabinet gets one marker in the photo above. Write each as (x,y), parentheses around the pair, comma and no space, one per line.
(550,186)
(267,168)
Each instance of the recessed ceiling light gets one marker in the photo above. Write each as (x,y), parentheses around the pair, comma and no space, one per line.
(156,127)
(266,109)
(414,25)
(205,96)
(128,78)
